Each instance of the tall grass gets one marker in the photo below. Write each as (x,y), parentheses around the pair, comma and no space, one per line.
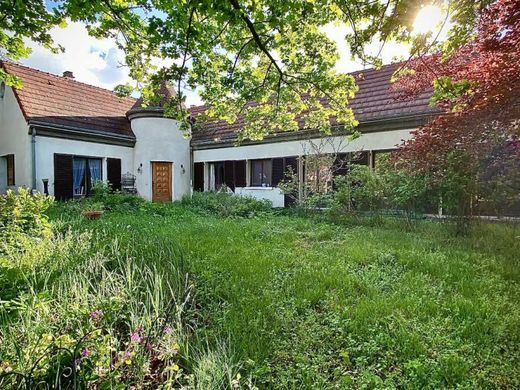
(85,308)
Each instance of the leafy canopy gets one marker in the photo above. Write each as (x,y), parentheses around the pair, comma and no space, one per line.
(274,53)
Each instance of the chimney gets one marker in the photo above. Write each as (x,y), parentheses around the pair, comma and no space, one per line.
(68,74)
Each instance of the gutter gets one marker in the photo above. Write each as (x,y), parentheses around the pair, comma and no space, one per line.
(372,126)
(80,134)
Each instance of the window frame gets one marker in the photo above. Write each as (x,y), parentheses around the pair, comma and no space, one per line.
(266,171)
(87,179)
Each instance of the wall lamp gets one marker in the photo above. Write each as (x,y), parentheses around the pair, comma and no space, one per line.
(140,168)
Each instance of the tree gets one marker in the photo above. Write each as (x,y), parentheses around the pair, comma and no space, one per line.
(473,151)
(270,52)
(25,19)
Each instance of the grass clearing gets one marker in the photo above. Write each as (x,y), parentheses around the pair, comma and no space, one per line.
(295,302)
(305,303)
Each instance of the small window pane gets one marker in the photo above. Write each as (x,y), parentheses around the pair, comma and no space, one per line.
(261,171)
(95,170)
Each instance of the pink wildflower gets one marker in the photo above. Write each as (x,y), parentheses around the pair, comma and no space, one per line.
(135,337)
(85,352)
(96,314)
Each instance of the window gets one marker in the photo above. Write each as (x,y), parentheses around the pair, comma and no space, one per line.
(85,172)
(261,173)
(10,169)
(74,176)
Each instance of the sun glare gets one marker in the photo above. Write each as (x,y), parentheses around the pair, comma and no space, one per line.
(427,19)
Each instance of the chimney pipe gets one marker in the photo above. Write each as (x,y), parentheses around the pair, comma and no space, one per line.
(68,74)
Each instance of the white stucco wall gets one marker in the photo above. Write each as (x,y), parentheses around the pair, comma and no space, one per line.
(159,139)
(274,194)
(46,147)
(14,139)
(381,140)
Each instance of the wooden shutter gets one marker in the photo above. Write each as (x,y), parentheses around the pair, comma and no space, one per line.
(63,176)
(229,174)
(278,171)
(240,173)
(10,169)
(198,176)
(291,162)
(114,173)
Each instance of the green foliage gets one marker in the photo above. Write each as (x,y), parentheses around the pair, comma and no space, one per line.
(123,90)
(275,54)
(22,218)
(301,303)
(102,193)
(226,205)
(94,311)
(304,303)
(361,189)
(21,20)
(445,89)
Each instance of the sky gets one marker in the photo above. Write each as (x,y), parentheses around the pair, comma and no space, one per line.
(99,62)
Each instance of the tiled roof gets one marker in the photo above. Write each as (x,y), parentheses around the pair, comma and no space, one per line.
(61,101)
(375,101)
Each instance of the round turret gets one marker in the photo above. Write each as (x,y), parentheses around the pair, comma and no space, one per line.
(162,162)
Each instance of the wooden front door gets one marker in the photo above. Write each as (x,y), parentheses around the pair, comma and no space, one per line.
(161,181)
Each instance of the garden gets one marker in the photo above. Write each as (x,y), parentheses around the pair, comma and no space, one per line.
(219,291)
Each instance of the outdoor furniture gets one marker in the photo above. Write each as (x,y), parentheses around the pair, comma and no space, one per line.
(128,183)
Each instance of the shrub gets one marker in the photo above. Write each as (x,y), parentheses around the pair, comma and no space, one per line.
(361,189)
(226,205)
(22,218)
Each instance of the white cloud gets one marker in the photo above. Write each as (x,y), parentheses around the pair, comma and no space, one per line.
(93,61)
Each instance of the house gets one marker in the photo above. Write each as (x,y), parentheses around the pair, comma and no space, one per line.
(58,136)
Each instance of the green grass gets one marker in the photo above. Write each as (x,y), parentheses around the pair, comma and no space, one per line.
(302,303)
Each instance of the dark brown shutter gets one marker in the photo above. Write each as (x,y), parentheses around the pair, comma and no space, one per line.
(291,163)
(229,174)
(63,176)
(278,171)
(240,173)
(114,173)
(198,176)
(10,170)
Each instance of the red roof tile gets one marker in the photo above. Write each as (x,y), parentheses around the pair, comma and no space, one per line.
(55,100)
(375,101)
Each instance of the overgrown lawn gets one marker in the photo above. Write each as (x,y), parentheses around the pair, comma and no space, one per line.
(303,303)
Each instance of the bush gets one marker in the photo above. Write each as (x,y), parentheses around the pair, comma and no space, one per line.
(22,218)
(102,193)
(361,189)
(226,205)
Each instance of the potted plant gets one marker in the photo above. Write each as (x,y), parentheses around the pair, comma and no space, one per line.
(93,210)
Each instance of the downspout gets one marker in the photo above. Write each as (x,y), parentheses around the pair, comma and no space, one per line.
(192,164)
(33,152)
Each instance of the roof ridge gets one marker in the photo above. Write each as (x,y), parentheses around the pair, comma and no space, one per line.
(62,78)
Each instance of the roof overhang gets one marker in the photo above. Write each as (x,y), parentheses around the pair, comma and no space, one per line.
(79,134)
(398,123)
